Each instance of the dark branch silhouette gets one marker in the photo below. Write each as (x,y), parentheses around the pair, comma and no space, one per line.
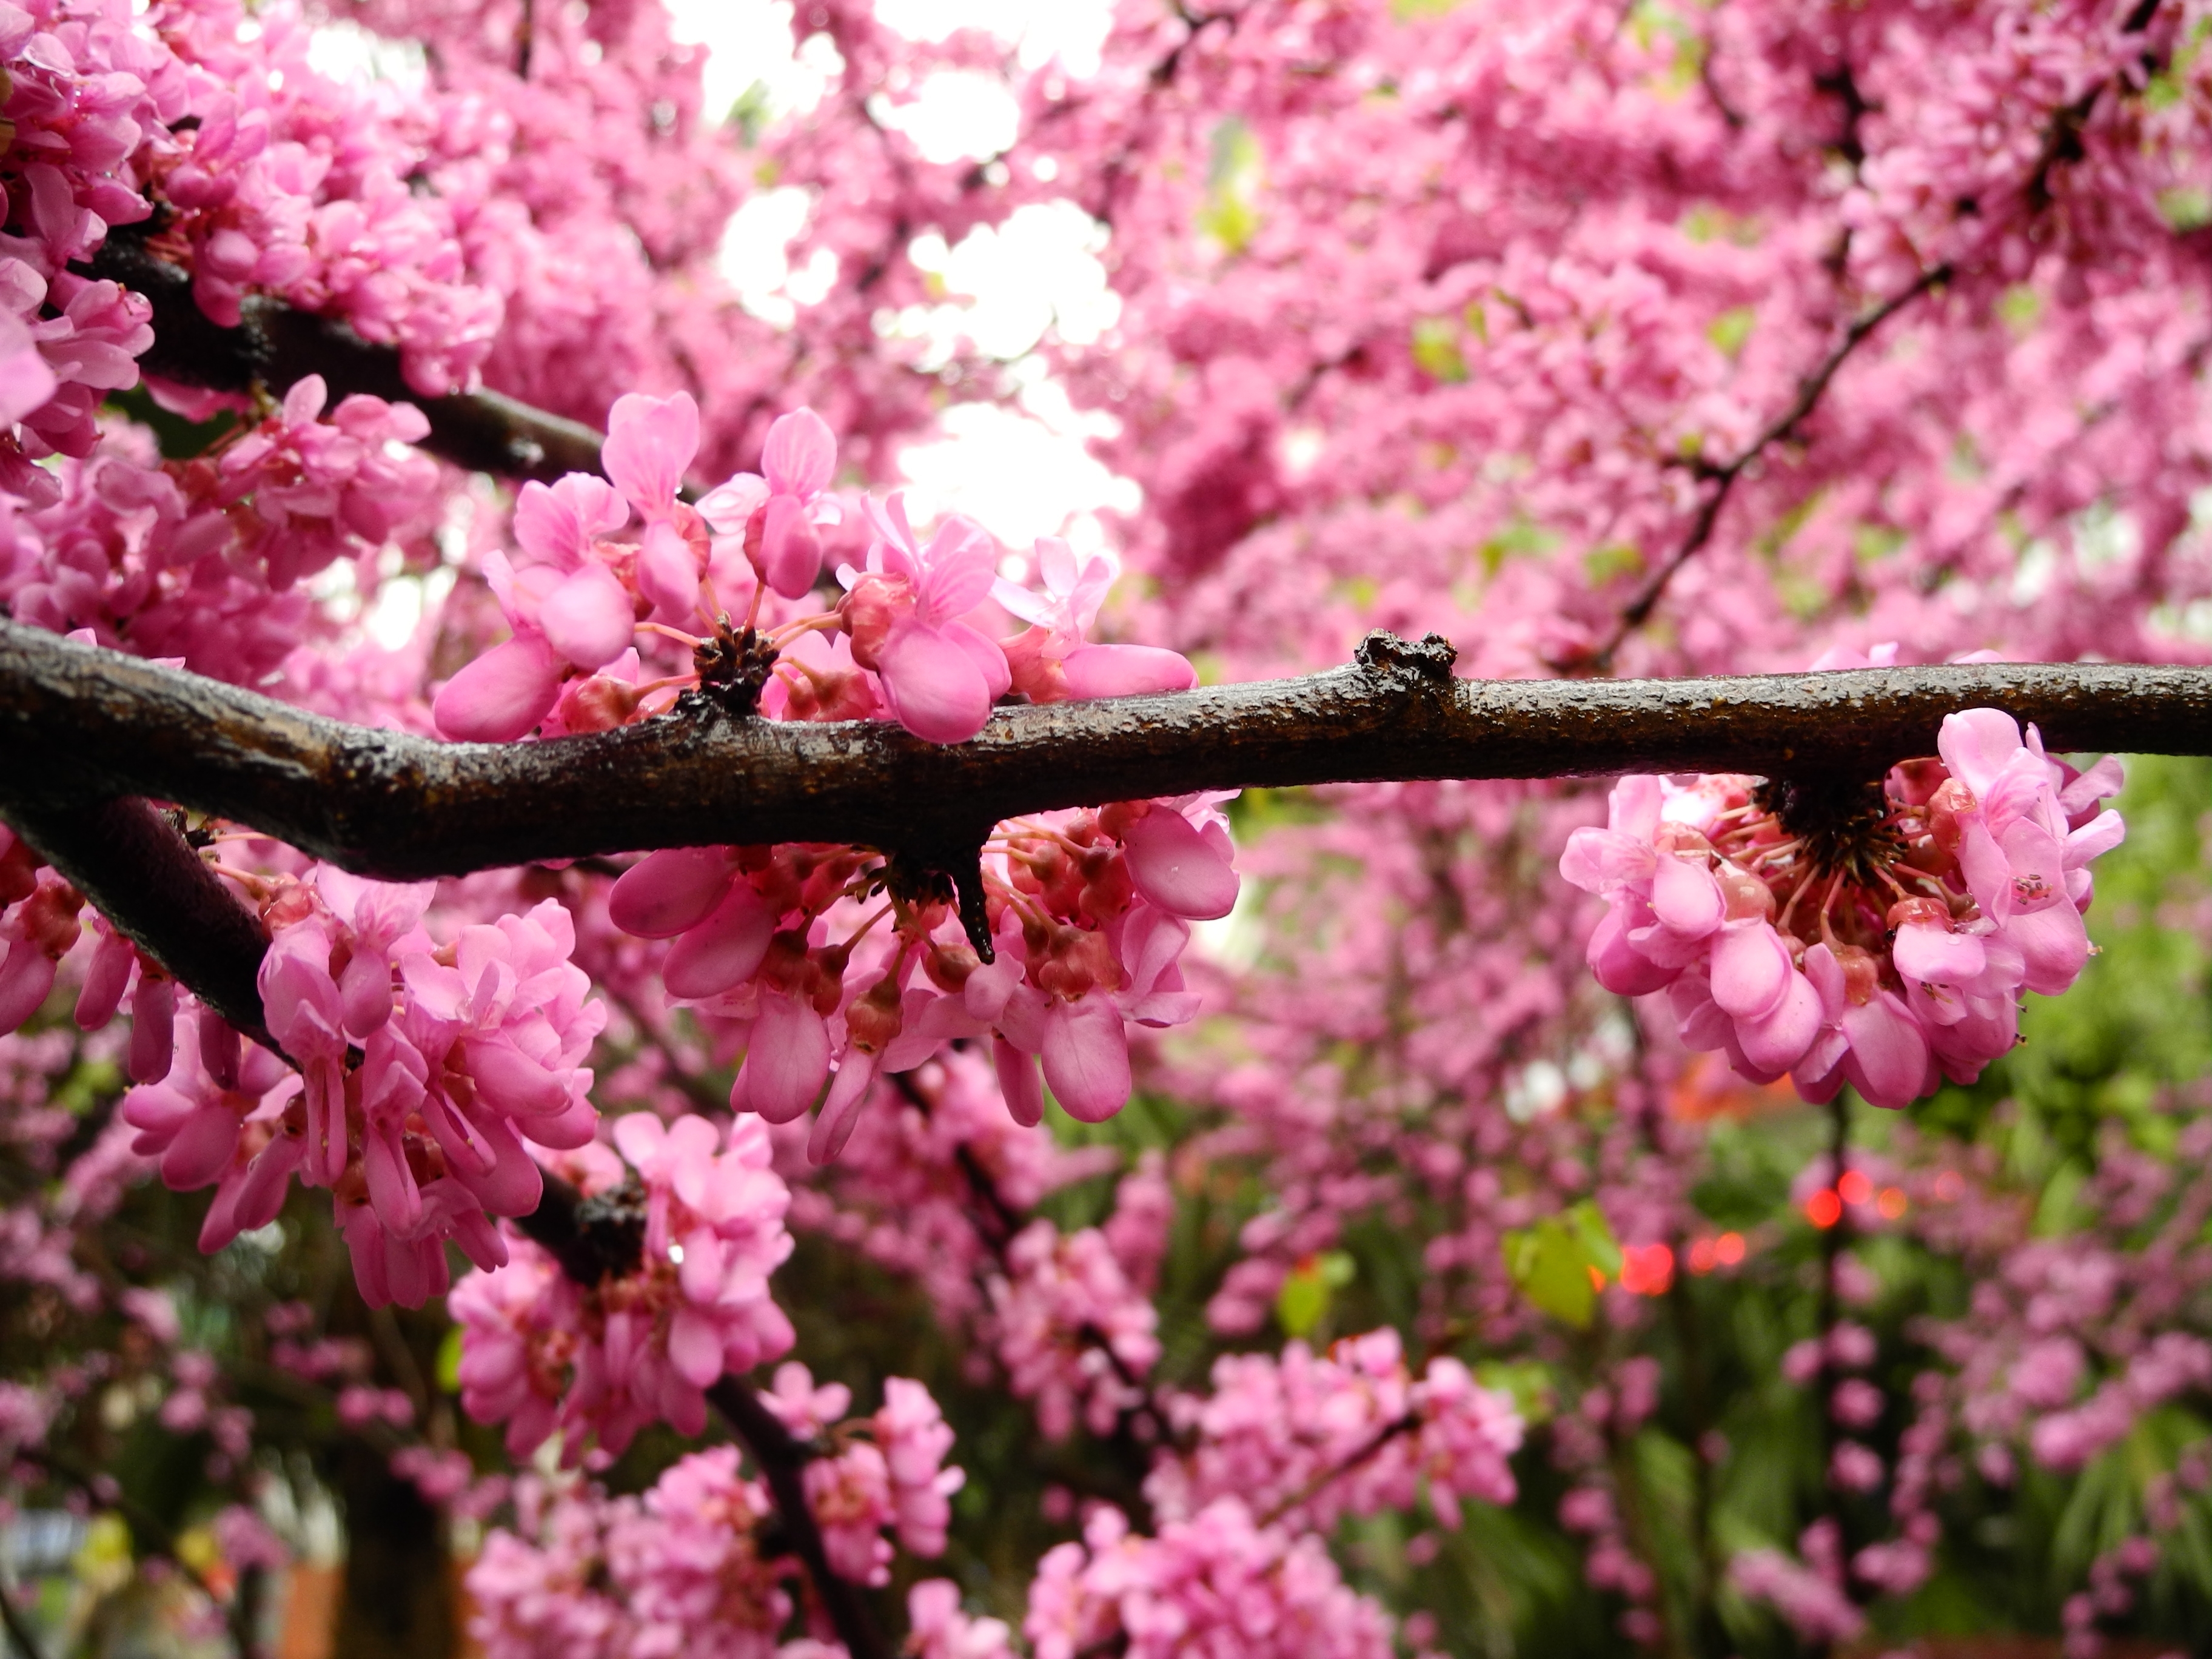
(275,346)
(81,724)
(593,1238)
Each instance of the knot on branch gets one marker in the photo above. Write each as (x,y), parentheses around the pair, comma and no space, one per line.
(734,667)
(1412,666)
(594,1238)
(947,874)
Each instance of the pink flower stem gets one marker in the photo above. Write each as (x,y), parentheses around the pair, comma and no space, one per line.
(782,637)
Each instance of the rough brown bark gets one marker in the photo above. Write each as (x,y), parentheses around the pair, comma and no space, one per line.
(80,724)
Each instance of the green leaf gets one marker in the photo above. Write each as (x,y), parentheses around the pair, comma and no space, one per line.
(1436,349)
(1595,1234)
(1231,214)
(1732,328)
(1549,1267)
(1302,1303)
(449,1361)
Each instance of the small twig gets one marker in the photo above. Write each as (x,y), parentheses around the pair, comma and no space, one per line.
(1336,1472)
(782,1459)
(1722,479)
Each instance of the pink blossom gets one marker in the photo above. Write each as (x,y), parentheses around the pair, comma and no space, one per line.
(1788,966)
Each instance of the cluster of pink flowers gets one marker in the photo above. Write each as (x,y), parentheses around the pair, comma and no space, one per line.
(1809,1594)
(873,1476)
(1091,912)
(469,1053)
(905,1194)
(1216,1583)
(676,1570)
(908,644)
(1878,937)
(682,1570)
(1074,1334)
(199,561)
(596,1363)
(1309,1438)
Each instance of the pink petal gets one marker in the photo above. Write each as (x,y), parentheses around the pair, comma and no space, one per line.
(27,382)
(791,553)
(1019,1082)
(1778,1039)
(1989,874)
(639,1136)
(785,1061)
(1976,743)
(502,694)
(1926,953)
(730,505)
(799,456)
(694,1347)
(588,619)
(2094,839)
(153,1030)
(1086,1058)
(667,892)
(574,1126)
(1888,1058)
(553,525)
(1600,861)
(933,688)
(201,1149)
(961,568)
(2105,778)
(510,1081)
(365,993)
(1634,805)
(1174,867)
(391,1185)
(1618,965)
(1685,898)
(1126,670)
(2038,863)
(723,950)
(668,573)
(988,656)
(650,441)
(105,981)
(25,981)
(840,1110)
(1750,970)
(2055,944)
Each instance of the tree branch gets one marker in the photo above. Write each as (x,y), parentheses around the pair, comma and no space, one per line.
(783,1459)
(131,861)
(1810,390)
(595,1237)
(275,346)
(81,725)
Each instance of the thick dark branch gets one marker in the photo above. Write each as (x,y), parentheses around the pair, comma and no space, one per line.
(80,724)
(275,346)
(131,861)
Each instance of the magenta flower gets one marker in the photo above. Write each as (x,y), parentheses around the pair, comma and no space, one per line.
(1052,662)
(777,510)
(940,676)
(1879,936)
